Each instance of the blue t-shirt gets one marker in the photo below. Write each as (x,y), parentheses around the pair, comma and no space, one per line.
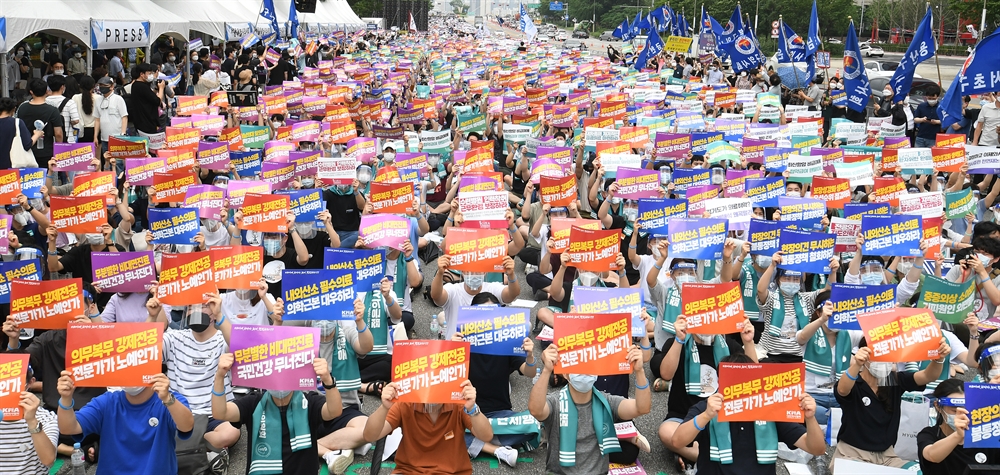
(135,439)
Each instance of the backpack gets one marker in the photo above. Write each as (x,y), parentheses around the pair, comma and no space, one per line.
(679,71)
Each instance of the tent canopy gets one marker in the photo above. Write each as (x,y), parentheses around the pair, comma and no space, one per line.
(208,17)
(161,20)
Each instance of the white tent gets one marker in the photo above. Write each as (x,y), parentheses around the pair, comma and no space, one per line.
(337,14)
(210,17)
(345,10)
(161,20)
(25,18)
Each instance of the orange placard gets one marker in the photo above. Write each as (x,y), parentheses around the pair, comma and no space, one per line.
(237,267)
(725,99)
(219,99)
(78,214)
(185,278)
(599,122)
(234,137)
(113,354)
(265,213)
(761,392)
(888,189)
(170,187)
(948,159)
(182,137)
(10,186)
(45,304)
(478,160)
(121,148)
(713,309)
(387,174)
(932,236)
(430,371)
(950,140)
(637,137)
(558,191)
(899,335)
(189,105)
(594,250)
(476,250)
(612,146)
(342,131)
(561,228)
(391,197)
(890,159)
(615,109)
(592,343)
(835,191)
(13,369)
(95,184)
(183,159)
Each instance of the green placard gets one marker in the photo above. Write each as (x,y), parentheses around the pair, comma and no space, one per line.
(958,204)
(951,302)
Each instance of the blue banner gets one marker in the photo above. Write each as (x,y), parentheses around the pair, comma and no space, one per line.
(764,192)
(812,38)
(897,235)
(972,80)
(854,211)
(247,163)
(30,269)
(776,158)
(806,251)
(700,141)
(763,236)
(697,238)
(306,204)
(498,331)
(922,48)
(173,225)
(688,177)
(982,400)
(368,265)
(611,300)
(855,78)
(32,180)
(851,300)
(802,213)
(318,294)
(654,213)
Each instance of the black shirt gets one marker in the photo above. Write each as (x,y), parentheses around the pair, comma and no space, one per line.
(273,267)
(343,210)
(866,424)
(958,460)
(492,390)
(277,75)
(48,359)
(49,115)
(678,400)
(744,446)
(302,462)
(143,107)
(78,263)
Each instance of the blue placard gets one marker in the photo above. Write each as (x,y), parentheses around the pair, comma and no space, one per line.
(802,213)
(806,251)
(611,300)
(496,331)
(173,225)
(897,235)
(685,178)
(851,300)
(654,213)
(854,211)
(30,269)
(700,141)
(247,163)
(318,294)
(697,238)
(764,192)
(305,204)
(763,236)
(32,180)
(776,158)
(983,403)
(368,265)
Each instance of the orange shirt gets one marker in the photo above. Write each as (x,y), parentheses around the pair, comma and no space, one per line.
(425,444)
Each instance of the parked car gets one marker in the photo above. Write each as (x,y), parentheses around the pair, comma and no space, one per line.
(869,50)
(883,68)
(580,34)
(918,90)
(573,44)
(608,36)
(834,41)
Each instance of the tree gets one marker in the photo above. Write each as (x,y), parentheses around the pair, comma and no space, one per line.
(972,12)
(458,6)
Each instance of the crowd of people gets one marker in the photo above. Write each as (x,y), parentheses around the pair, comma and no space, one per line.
(191,414)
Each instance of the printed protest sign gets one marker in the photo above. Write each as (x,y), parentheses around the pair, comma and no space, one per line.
(9,271)
(764,192)
(78,214)
(390,231)
(763,236)
(806,251)
(957,204)
(494,330)
(213,155)
(561,228)
(654,214)
(851,300)
(697,238)
(761,392)
(10,186)
(901,334)
(594,250)
(636,183)
(123,271)
(13,370)
(170,187)
(950,301)
(392,198)
(557,192)
(927,205)
(805,213)
(274,357)
(611,300)
(596,343)
(833,191)
(430,371)
(207,199)
(47,305)
(113,354)
(74,157)
(185,278)
(476,250)
(897,235)
(369,266)
(32,180)
(95,184)
(174,225)
(485,209)
(265,213)
(121,148)
(318,294)
(713,309)
(237,267)
(982,400)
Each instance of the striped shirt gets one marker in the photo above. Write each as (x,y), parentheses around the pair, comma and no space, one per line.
(786,343)
(17,452)
(191,367)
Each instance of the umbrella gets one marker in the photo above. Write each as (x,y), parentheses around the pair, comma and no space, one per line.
(794,77)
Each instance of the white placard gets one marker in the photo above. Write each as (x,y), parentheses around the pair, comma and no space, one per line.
(928,205)
(119,34)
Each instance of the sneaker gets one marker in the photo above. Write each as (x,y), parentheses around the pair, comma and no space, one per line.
(642,443)
(507,455)
(363,449)
(338,460)
(220,463)
(529,268)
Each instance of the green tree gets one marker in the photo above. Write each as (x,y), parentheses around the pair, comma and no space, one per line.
(458,7)
(971,11)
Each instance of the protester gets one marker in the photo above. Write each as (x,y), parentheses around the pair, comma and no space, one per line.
(11,127)
(940,447)
(927,120)
(38,111)
(30,442)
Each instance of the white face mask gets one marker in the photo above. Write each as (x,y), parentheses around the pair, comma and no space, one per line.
(560,143)
(904,267)
(95,239)
(58,72)
(588,279)
(133,390)
(474,281)
(21,219)
(583,383)
(389,156)
(704,339)
(789,288)
(170,58)
(880,370)
(793,194)
(194,58)
(984,259)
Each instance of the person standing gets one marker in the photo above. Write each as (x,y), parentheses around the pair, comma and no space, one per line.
(37,110)
(988,123)
(112,114)
(116,69)
(928,121)
(86,102)
(813,96)
(76,66)
(10,127)
(65,105)
(144,103)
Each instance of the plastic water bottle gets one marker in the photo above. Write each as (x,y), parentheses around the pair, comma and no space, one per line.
(435,328)
(39,125)
(79,468)
(538,374)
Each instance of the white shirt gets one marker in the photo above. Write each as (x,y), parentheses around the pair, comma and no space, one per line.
(242,312)
(69,112)
(17,452)
(86,120)
(110,110)
(989,116)
(458,297)
(191,367)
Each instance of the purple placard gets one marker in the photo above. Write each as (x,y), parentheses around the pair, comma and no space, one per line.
(237,189)
(123,271)
(72,157)
(139,171)
(736,181)
(697,208)
(562,155)
(285,366)
(305,131)
(208,124)
(477,183)
(269,172)
(200,196)
(306,162)
(383,230)
(5,221)
(213,155)
(636,183)
(757,154)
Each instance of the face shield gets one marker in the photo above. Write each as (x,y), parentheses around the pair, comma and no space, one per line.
(989,363)
(790,282)
(684,273)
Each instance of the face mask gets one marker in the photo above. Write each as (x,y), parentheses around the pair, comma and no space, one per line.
(133,390)
(245,294)
(993,373)
(616,201)
(21,219)
(389,156)
(272,246)
(170,58)
(343,190)
(276,123)
(95,239)
(58,72)
(904,267)
(712,68)
(560,143)
(198,327)
(194,58)
(704,339)
(583,383)
(306,230)
(655,250)
(763,260)
(932,103)
(872,278)
(631,213)
(326,327)
(104,90)
(950,420)
(280,394)
(474,281)
(212,225)
(880,370)
(983,102)
(20,53)
(364,175)
(793,194)
(588,279)
(887,93)
(984,259)
(77,55)
(789,288)
(685,279)
(308,182)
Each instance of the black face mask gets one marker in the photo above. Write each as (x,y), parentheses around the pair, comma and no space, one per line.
(198,322)
(198,328)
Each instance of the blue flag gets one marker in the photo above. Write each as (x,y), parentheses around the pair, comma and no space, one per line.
(685,28)
(921,49)
(654,46)
(855,78)
(658,16)
(267,11)
(977,76)
(732,29)
(710,24)
(813,42)
(744,52)
(637,24)
(791,48)
(293,18)
(622,31)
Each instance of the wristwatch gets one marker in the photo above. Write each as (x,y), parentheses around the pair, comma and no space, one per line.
(475,410)
(332,386)
(170,400)
(36,429)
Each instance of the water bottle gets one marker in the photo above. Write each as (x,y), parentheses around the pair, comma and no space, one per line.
(538,374)
(435,328)
(39,125)
(79,468)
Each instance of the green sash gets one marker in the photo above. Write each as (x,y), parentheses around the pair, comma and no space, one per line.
(518,424)
(749,282)
(399,284)
(821,361)
(344,364)
(266,444)
(778,314)
(377,319)
(671,309)
(720,449)
(604,426)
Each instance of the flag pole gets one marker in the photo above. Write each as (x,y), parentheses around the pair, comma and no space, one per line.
(937,62)
(781,37)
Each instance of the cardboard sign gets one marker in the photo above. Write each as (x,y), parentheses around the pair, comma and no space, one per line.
(761,392)
(376,231)
(9,271)
(476,250)
(185,278)
(897,235)
(392,198)
(265,213)
(430,371)
(558,192)
(981,400)
(123,271)
(485,209)
(274,358)
(369,266)
(174,225)
(851,300)
(13,370)
(594,250)
(592,343)
(237,267)
(113,354)
(74,157)
(697,238)
(171,187)
(318,294)
(713,309)
(611,300)
(494,330)
(47,305)
(806,251)
(73,214)
(950,301)
(902,334)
